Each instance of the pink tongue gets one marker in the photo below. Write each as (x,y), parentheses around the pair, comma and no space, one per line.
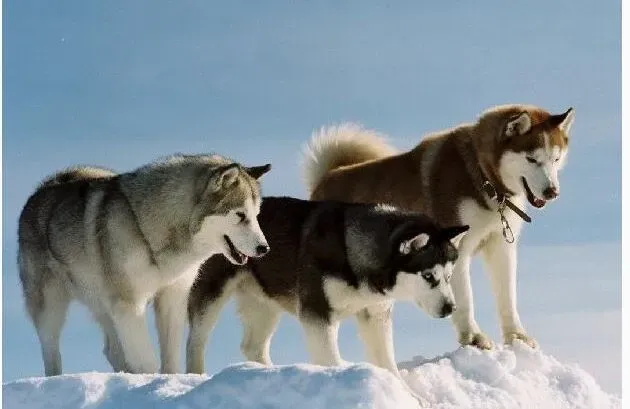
(539,202)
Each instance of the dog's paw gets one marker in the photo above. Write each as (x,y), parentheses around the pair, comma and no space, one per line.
(343,362)
(476,339)
(143,366)
(511,336)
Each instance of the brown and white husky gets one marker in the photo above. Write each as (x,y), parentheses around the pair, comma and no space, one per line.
(480,174)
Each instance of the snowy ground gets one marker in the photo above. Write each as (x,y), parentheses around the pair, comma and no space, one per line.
(515,377)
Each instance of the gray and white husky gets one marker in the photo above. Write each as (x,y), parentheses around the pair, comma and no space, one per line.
(329,260)
(117,241)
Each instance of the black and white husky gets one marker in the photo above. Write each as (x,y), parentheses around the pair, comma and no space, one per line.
(329,260)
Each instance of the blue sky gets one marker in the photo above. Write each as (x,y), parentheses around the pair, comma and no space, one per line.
(120,83)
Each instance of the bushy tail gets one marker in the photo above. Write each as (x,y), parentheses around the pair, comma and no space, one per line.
(341,145)
(76,173)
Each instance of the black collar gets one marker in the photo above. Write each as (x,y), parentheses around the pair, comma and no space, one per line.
(486,188)
(503,200)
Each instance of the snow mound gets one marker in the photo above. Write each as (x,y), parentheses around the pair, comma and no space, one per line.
(516,377)
(247,385)
(506,377)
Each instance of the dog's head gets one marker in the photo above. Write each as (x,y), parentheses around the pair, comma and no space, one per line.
(424,261)
(533,146)
(226,213)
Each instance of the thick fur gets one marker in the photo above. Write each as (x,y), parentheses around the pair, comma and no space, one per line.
(352,144)
(329,260)
(117,241)
(518,148)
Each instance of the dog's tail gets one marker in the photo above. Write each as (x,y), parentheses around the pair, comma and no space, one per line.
(341,145)
(74,174)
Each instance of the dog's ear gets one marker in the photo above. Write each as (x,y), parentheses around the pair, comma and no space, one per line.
(518,125)
(414,243)
(563,121)
(257,171)
(455,234)
(210,181)
(223,177)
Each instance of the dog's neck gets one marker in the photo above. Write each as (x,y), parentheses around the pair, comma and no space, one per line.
(487,180)
(482,174)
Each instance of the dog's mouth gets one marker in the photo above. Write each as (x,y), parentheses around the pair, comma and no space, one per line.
(234,253)
(531,197)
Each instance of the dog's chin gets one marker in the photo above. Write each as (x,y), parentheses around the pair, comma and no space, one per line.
(431,312)
(531,197)
(232,253)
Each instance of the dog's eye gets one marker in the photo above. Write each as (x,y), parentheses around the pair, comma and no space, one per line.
(241,217)
(427,276)
(531,160)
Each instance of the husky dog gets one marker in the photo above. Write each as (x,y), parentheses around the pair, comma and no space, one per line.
(479,174)
(117,241)
(329,260)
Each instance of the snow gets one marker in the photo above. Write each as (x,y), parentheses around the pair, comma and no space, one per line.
(507,377)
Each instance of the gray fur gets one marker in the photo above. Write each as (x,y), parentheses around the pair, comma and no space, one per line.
(117,241)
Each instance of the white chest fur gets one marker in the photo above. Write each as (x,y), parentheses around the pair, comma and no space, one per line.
(484,222)
(347,300)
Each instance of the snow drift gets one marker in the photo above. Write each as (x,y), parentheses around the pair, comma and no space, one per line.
(515,377)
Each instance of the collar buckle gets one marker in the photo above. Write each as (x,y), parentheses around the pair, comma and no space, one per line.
(503,202)
(490,190)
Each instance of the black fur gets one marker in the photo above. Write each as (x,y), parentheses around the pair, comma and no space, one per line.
(312,240)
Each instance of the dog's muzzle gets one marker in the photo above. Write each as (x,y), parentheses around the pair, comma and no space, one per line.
(447,309)
(261,250)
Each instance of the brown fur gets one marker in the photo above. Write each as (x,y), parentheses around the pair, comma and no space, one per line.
(443,176)
(390,179)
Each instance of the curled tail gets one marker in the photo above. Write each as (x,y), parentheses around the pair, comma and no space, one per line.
(76,173)
(341,145)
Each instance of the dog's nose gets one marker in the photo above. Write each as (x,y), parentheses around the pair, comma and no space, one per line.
(262,249)
(448,308)
(551,193)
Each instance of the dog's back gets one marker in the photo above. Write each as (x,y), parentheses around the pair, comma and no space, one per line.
(75,174)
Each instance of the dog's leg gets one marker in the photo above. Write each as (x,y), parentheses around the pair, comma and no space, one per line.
(468,332)
(112,348)
(171,306)
(321,341)
(46,299)
(49,317)
(114,353)
(375,329)
(133,334)
(500,259)
(259,318)
(203,316)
